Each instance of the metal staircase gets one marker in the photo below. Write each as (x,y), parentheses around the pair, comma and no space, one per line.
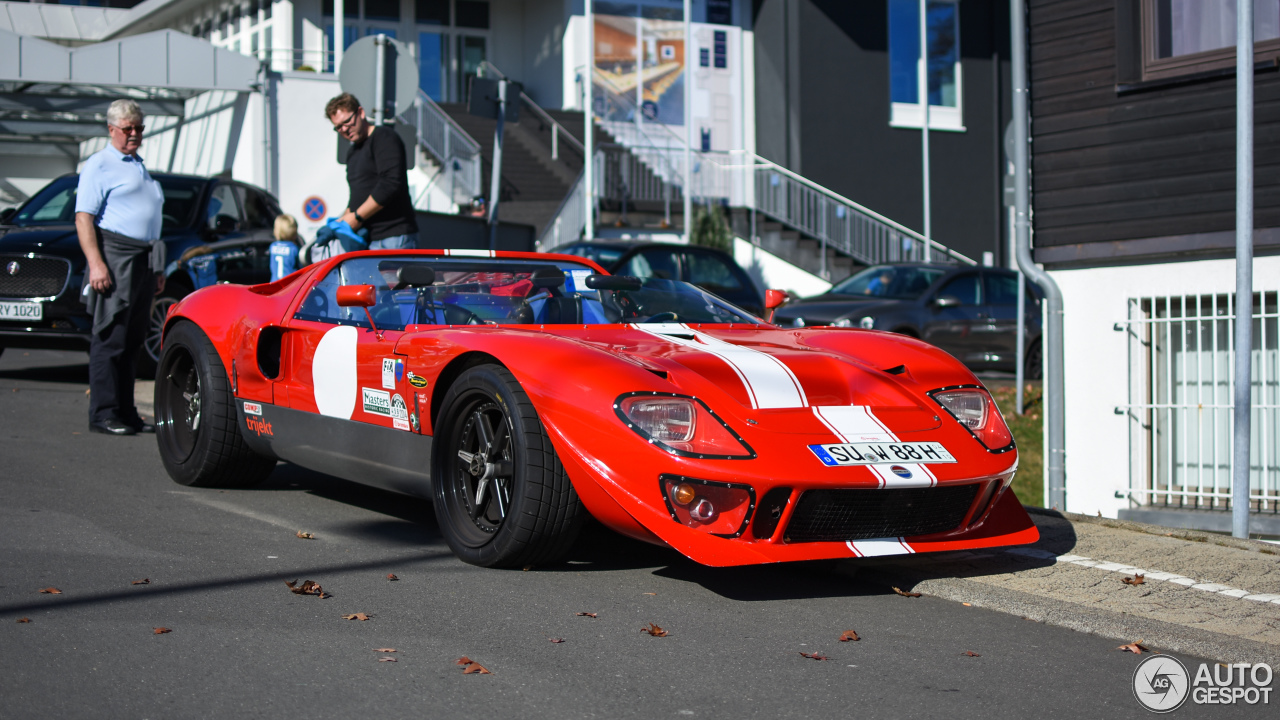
(640,173)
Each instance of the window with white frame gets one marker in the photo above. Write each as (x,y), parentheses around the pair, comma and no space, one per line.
(944,73)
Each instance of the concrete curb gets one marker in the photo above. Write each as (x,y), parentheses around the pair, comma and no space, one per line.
(1257,546)
(1160,636)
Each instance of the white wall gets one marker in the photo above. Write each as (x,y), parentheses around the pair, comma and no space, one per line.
(1096,355)
(770,272)
(308,149)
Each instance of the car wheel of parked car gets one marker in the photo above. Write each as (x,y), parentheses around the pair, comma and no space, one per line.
(149,358)
(197,429)
(1034,368)
(502,498)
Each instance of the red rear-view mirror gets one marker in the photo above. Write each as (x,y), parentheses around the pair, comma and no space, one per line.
(774,298)
(357,296)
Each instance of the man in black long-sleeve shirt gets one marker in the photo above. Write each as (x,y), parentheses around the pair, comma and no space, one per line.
(377,178)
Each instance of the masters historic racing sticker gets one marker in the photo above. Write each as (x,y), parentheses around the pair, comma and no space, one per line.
(399,413)
(377,402)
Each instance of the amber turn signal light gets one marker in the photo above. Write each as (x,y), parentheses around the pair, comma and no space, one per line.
(682,494)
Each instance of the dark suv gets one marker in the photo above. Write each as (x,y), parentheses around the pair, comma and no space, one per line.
(41,265)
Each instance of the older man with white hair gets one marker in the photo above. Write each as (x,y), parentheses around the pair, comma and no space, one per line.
(118,213)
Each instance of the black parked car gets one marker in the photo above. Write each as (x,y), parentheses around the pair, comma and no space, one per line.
(709,269)
(215,230)
(970,312)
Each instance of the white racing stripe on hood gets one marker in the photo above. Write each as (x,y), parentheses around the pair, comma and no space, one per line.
(769,382)
(879,547)
(856,423)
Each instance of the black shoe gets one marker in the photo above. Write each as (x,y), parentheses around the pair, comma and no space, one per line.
(111,426)
(141,426)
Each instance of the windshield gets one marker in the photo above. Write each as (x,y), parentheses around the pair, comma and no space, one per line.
(894,282)
(507,292)
(56,203)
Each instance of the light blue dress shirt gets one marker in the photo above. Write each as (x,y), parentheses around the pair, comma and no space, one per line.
(121,195)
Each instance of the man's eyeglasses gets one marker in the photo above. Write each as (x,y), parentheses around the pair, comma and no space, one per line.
(131,130)
(345,125)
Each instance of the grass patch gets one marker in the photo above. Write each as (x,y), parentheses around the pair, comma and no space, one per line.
(1028,433)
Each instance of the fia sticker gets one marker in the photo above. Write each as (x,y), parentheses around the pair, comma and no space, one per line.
(399,413)
(377,402)
(417,380)
(252,408)
(389,373)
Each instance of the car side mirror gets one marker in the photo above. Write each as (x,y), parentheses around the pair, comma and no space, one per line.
(773,299)
(946,301)
(365,296)
(7,213)
(223,224)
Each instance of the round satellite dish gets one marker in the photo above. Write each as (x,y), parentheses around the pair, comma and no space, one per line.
(360,67)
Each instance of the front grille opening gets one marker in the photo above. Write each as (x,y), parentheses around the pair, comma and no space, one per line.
(769,512)
(843,515)
(28,277)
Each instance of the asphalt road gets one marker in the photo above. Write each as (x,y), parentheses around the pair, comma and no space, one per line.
(90,514)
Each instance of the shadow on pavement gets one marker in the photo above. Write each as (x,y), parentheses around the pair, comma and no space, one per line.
(77,374)
(56,602)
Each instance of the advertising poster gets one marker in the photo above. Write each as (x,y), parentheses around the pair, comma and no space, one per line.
(639,63)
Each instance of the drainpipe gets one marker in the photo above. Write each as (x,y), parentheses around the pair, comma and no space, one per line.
(1054,391)
(1244,271)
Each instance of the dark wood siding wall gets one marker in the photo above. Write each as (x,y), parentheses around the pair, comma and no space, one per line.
(823,107)
(1150,162)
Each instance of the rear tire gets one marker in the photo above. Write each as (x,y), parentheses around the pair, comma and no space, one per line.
(197,429)
(502,498)
(1033,368)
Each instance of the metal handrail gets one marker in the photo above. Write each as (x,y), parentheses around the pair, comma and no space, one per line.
(457,152)
(543,116)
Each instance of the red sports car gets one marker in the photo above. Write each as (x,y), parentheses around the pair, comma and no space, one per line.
(520,392)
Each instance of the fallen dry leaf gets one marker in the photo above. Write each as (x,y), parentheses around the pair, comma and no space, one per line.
(355,616)
(654,630)
(1137,579)
(556,640)
(306,535)
(24,620)
(51,591)
(384,650)
(391,577)
(1136,647)
(815,656)
(904,593)
(386,659)
(471,666)
(590,615)
(161,631)
(308,587)
(971,653)
(967,604)
(143,581)
(86,392)
(848,635)
(651,593)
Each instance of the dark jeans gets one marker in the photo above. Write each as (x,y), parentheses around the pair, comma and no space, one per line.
(113,352)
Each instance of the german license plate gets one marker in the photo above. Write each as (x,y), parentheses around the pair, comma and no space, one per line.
(21,311)
(882,453)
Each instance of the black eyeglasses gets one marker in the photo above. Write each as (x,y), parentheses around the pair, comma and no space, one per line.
(131,130)
(346,124)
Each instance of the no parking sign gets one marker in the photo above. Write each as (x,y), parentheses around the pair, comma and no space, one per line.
(313,208)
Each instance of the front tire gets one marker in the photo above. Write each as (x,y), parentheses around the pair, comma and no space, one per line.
(196,425)
(502,498)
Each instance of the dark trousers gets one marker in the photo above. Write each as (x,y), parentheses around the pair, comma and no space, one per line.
(113,352)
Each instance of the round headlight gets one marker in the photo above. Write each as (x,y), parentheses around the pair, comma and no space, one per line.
(798,322)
